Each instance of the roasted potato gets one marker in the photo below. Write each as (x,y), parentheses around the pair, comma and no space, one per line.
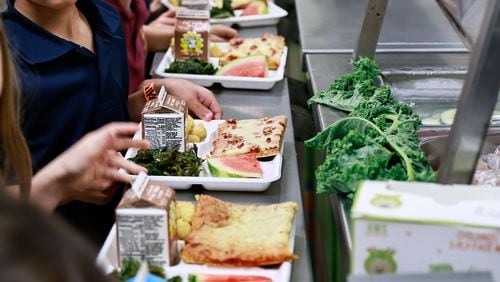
(199,130)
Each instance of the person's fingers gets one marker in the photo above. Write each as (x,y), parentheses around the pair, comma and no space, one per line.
(200,110)
(207,98)
(120,144)
(117,161)
(215,38)
(224,32)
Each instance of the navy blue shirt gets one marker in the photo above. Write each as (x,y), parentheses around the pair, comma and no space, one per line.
(67,90)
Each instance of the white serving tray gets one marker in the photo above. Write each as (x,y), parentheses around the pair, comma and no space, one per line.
(271,169)
(272,18)
(107,260)
(259,83)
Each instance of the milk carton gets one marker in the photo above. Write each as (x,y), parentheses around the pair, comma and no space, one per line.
(163,121)
(401,227)
(196,4)
(145,221)
(191,34)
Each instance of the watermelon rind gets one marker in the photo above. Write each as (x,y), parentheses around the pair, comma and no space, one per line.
(218,169)
(242,61)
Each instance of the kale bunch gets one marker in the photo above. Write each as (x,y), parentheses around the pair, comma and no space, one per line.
(169,161)
(376,141)
(347,91)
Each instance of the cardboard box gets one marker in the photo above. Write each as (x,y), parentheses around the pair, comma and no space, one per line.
(191,34)
(401,227)
(164,120)
(145,222)
(196,4)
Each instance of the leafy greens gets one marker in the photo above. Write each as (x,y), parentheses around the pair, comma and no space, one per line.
(191,65)
(225,11)
(348,90)
(377,141)
(169,161)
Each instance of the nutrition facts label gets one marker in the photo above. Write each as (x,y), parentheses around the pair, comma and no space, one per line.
(164,130)
(144,237)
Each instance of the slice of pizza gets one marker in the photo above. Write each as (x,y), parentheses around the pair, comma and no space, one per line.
(269,45)
(263,136)
(230,234)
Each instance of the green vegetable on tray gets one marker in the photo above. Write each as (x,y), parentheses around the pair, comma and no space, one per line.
(131,266)
(169,162)
(191,65)
(348,90)
(223,12)
(377,141)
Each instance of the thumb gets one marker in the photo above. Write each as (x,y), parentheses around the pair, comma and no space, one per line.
(200,110)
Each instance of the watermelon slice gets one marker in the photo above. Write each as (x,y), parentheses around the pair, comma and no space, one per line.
(255,8)
(240,166)
(251,66)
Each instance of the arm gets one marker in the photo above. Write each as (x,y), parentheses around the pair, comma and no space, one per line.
(200,101)
(87,170)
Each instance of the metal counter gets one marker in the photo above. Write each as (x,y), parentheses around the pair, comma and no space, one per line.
(332,26)
(244,104)
(322,69)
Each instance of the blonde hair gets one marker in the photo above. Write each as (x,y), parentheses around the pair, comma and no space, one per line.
(15,152)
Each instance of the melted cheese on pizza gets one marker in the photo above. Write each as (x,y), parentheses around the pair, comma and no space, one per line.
(261,136)
(268,45)
(239,235)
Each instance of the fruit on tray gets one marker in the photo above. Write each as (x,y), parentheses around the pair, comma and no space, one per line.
(226,278)
(270,45)
(238,4)
(239,166)
(183,216)
(251,66)
(255,8)
(196,132)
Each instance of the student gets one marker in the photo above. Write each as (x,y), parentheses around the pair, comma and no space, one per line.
(34,248)
(71,62)
(82,172)
(153,37)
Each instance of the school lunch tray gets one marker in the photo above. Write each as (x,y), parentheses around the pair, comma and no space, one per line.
(271,170)
(107,260)
(272,18)
(238,82)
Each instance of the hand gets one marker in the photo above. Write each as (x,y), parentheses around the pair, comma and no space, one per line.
(200,100)
(87,170)
(165,20)
(221,33)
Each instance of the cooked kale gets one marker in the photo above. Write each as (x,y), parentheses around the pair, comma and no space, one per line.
(131,266)
(191,65)
(224,12)
(348,90)
(169,162)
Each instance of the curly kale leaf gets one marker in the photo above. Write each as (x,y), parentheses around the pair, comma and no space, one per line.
(191,65)
(131,266)
(223,12)
(357,150)
(348,90)
(169,161)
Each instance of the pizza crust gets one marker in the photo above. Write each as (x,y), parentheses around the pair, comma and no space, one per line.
(270,45)
(263,136)
(229,234)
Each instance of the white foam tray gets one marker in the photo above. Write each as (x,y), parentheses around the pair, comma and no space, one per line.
(107,260)
(271,169)
(259,83)
(272,18)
